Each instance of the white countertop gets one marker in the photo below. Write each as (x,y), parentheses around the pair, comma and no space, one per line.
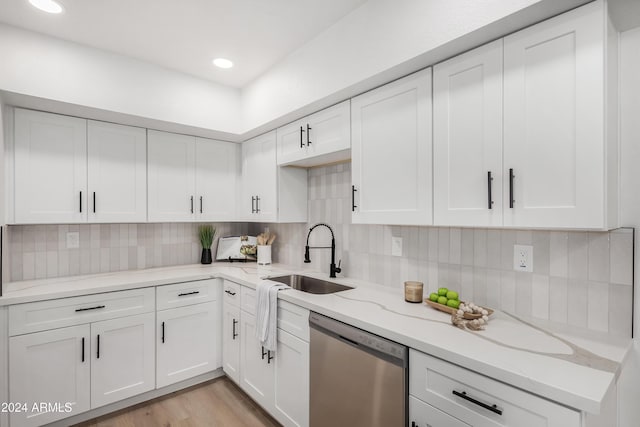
(577,370)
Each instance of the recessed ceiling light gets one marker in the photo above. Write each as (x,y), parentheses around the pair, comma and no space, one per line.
(49,6)
(222,63)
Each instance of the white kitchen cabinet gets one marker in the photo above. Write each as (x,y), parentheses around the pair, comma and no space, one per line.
(123,358)
(467,143)
(231,341)
(50,366)
(50,168)
(291,382)
(191,179)
(558,144)
(117,180)
(391,141)
(187,342)
(217,179)
(256,367)
(270,193)
(424,415)
(478,400)
(172,176)
(321,138)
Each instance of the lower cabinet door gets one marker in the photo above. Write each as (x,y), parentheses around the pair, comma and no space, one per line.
(231,341)
(424,415)
(291,398)
(122,359)
(49,373)
(187,342)
(257,374)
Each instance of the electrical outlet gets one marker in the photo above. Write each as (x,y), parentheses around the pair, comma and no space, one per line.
(73,240)
(396,246)
(523,258)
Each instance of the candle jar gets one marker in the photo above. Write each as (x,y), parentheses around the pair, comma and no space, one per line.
(413,291)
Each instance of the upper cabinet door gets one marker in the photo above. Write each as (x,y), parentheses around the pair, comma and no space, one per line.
(172,177)
(50,168)
(117,173)
(321,138)
(391,152)
(260,179)
(467,144)
(217,180)
(554,122)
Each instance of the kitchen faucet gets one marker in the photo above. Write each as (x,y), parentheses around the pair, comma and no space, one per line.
(332,269)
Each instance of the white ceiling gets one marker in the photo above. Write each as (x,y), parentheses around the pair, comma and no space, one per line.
(185,35)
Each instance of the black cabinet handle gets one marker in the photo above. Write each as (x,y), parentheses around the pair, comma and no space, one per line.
(253,210)
(191,204)
(413,424)
(511,201)
(200,204)
(229,292)
(162,332)
(184,294)
(98,347)
(82,349)
(264,353)
(269,356)
(81,202)
(489,184)
(353,198)
(89,308)
(257,204)
(301,143)
(234,333)
(492,408)
(308,134)
(94,202)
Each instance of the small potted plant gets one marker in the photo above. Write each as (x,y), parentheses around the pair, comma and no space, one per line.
(206,233)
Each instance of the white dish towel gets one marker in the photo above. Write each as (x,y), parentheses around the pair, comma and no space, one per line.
(267,313)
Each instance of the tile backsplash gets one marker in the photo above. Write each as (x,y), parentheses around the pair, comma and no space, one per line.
(39,251)
(583,279)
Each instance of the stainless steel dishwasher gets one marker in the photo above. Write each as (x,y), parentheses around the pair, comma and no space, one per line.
(356,378)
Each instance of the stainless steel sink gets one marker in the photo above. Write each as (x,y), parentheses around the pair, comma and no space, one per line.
(310,284)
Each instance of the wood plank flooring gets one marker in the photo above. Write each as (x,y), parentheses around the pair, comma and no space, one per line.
(215,403)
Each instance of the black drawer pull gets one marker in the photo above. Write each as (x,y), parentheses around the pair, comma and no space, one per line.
(83,349)
(353,198)
(162,332)
(489,182)
(89,308)
(301,132)
(235,334)
(264,353)
(511,200)
(492,408)
(229,292)
(188,293)
(81,202)
(98,347)
(308,134)
(94,202)
(253,200)
(269,356)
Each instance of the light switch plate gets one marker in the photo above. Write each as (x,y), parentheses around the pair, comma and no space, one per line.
(396,246)
(73,240)
(523,258)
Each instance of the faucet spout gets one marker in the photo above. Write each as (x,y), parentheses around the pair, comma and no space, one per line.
(332,268)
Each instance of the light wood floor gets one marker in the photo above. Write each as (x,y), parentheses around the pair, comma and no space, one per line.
(216,403)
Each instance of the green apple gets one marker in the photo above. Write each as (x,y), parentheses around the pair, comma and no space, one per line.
(433,297)
(443,292)
(442,300)
(452,295)
(453,303)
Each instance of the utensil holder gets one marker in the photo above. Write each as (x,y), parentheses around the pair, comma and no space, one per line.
(264,254)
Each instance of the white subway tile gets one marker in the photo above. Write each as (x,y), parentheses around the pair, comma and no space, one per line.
(541,256)
(466,247)
(577,302)
(493,287)
(28,266)
(508,291)
(52,263)
(578,248)
(443,245)
(63,263)
(507,240)
(524,297)
(620,310)
(540,297)
(598,306)
(598,257)
(480,248)
(455,242)
(621,257)
(558,304)
(433,243)
(467,284)
(558,253)
(494,251)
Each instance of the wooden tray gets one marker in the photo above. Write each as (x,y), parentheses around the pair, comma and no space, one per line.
(452,310)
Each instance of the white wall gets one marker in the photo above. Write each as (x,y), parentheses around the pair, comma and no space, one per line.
(45,67)
(375,38)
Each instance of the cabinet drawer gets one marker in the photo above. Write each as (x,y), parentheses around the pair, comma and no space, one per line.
(231,293)
(293,319)
(187,293)
(248,300)
(476,399)
(58,313)
(424,415)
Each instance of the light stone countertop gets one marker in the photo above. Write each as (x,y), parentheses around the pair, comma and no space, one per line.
(574,368)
